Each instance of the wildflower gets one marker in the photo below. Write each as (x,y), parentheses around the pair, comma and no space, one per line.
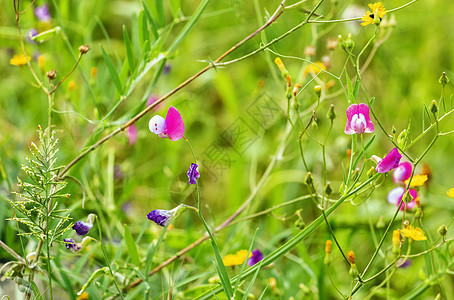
(83,296)
(193,173)
(30,34)
(315,68)
(172,127)
(396,241)
(351,258)
(236,259)
(328,260)
(82,228)
(443,230)
(389,162)
(41,61)
(19,60)
(403,263)
(71,245)
(374,17)
(417,180)
(42,13)
(93,72)
(358,120)
(451,193)
(84,49)
(414,233)
(52,74)
(310,50)
(395,197)
(163,217)
(133,134)
(402,172)
(71,85)
(255,257)
(281,66)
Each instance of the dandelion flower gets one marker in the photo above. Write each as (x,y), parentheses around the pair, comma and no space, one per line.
(414,233)
(19,60)
(378,11)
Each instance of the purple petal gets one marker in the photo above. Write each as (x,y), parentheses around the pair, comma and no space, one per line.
(42,13)
(82,228)
(71,244)
(31,33)
(193,173)
(255,258)
(174,124)
(133,134)
(389,162)
(159,216)
(402,172)
(358,120)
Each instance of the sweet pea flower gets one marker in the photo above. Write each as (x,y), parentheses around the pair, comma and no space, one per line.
(396,194)
(193,173)
(402,172)
(358,120)
(255,258)
(163,217)
(171,127)
(389,162)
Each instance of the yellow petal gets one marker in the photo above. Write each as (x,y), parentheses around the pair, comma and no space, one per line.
(417,180)
(451,193)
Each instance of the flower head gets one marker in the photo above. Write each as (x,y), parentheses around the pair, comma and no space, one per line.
(358,120)
(193,173)
(19,60)
(315,68)
(42,13)
(71,244)
(163,217)
(396,194)
(378,12)
(255,258)
(389,162)
(414,233)
(133,134)
(402,172)
(417,180)
(30,34)
(236,259)
(82,228)
(171,127)
(450,193)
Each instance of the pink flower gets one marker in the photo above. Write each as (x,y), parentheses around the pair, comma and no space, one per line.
(395,197)
(133,134)
(389,162)
(172,127)
(358,120)
(402,172)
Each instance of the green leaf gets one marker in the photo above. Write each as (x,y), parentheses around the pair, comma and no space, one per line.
(175,6)
(349,89)
(112,71)
(132,249)
(149,15)
(129,53)
(356,88)
(36,292)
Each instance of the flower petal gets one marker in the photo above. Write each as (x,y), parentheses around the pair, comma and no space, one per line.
(402,172)
(395,195)
(390,161)
(174,124)
(364,109)
(157,124)
(351,111)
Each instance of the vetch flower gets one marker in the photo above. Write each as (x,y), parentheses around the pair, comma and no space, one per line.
(171,127)
(402,172)
(193,173)
(133,134)
(417,180)
(236,259)
(374,17)
(19,60)
(255,257)
(396,194)
(42,13)
(414,233)
(163,217)
(82,228)
(389,162)
(71,245)
(30,34)
(358,120)
(450,193)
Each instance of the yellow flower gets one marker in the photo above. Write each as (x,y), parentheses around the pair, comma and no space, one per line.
(377,10)
(314,68)
(41,61)
(417,180)
(451,193)
(19,60)
(414,233)
(236,259)
(71,85)
(83,296)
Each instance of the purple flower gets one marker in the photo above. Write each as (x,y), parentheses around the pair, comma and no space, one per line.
(42,13)
(166,69)
(30,34)
(390,161)
(171,127)
(396,194)
(402,172)
(82,228)
(163,217)
(255,258)
(152,99)
(193,173)
(358,120)
(133,134)
(403,263)
(71,244)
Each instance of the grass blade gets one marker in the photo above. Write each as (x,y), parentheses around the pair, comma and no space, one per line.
(112,71)
(132,249)
(129,53)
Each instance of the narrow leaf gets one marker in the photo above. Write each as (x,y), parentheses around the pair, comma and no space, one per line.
(132,248)
(129,53)
(112,71)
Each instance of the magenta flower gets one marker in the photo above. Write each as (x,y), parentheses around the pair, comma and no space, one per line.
(255,258)
(133,134)
(358,120)
(172,127)
(42,13)
(395,197)
(389,162)
(193,173)
(402,172)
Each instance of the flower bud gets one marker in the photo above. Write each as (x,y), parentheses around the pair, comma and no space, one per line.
(351,257)
(396,242)
(349,44)
(331,44)
(434,107)
(296,88)
(331,113)
(288,78)
(51,75)
(443,79)
(328,190)
(309,51)
(314,124)
(281,66)
(443,230)
(273,283)
(308,179)
(328,260)
(406,197)
(84,49)
(318,90)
